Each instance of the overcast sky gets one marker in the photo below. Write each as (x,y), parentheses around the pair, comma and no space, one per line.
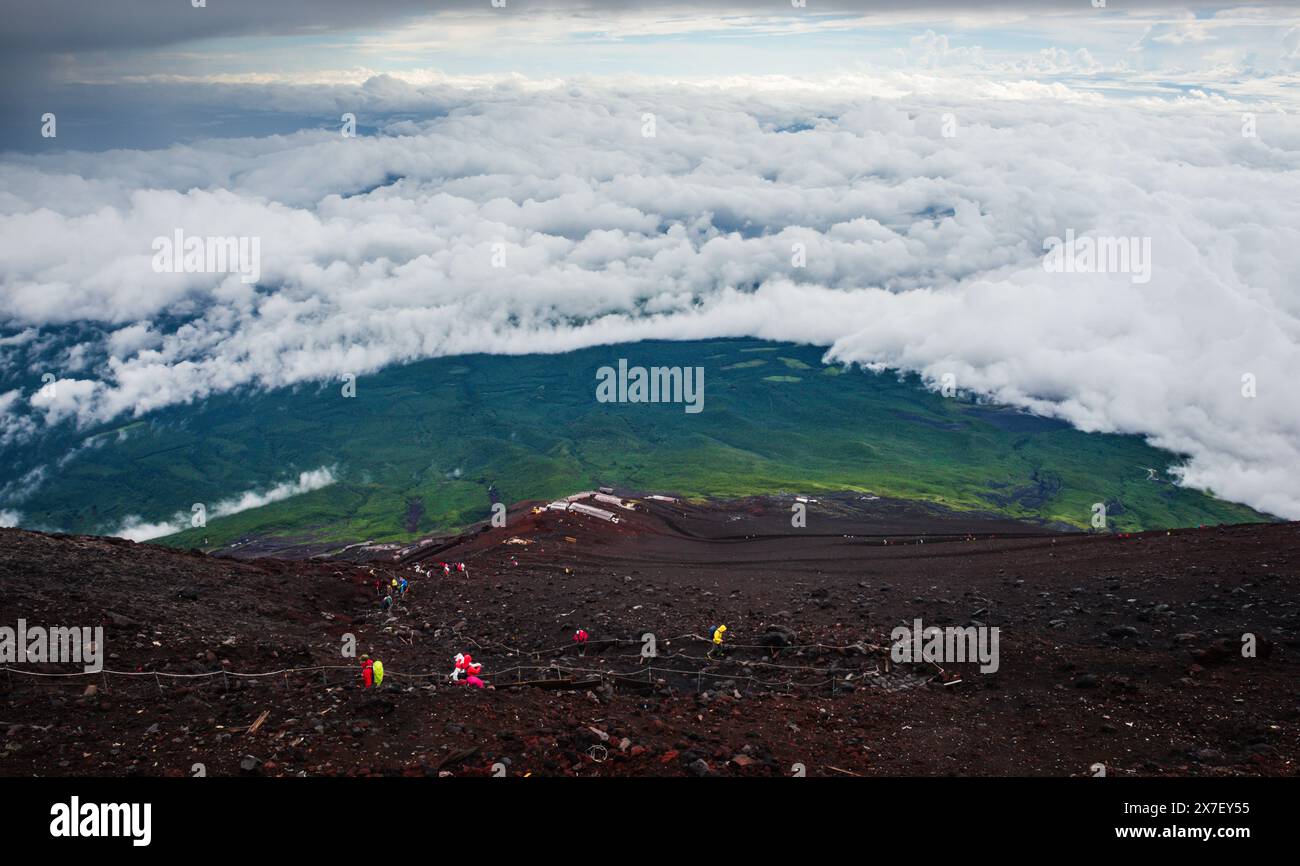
(116,69)
(922,154)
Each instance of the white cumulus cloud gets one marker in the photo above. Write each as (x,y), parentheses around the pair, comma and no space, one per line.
(922,201)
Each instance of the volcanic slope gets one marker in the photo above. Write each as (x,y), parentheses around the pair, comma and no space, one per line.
(1123,651)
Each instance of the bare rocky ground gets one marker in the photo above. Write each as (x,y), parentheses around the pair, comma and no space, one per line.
(1116,651)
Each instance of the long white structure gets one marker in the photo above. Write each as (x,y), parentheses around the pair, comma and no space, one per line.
(593,511)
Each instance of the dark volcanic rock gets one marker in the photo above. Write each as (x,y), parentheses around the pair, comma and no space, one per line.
(817,686)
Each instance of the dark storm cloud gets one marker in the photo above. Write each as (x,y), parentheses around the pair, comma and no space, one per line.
(57,26)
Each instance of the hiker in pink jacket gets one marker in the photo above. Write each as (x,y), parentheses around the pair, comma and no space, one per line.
(465,664)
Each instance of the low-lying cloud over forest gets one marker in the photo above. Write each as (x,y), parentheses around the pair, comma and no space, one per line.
(897,216)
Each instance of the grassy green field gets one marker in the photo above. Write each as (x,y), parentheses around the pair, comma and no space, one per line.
(419,447)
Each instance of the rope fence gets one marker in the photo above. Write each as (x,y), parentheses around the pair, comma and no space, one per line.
(832,675)
(859,645)
(496,680)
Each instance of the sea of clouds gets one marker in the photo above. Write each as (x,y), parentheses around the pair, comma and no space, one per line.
(923,252)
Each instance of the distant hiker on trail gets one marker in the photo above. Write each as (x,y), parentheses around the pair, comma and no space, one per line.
(387,601)
(580,637)
(379,673)
(460,566)
(718,632)
(402,586)
(446,569)
(367,671)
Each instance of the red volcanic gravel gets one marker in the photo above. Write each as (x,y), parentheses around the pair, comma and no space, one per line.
(1124,652)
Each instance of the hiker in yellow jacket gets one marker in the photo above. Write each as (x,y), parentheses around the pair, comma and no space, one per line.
(379,673)
(718,631)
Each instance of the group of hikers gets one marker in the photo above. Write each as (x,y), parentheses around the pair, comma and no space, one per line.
(372,670)
(397,588)
(447,569)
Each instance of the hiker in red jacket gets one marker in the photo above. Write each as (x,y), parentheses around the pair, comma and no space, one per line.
(367,671)
(465,664)
(580,638)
